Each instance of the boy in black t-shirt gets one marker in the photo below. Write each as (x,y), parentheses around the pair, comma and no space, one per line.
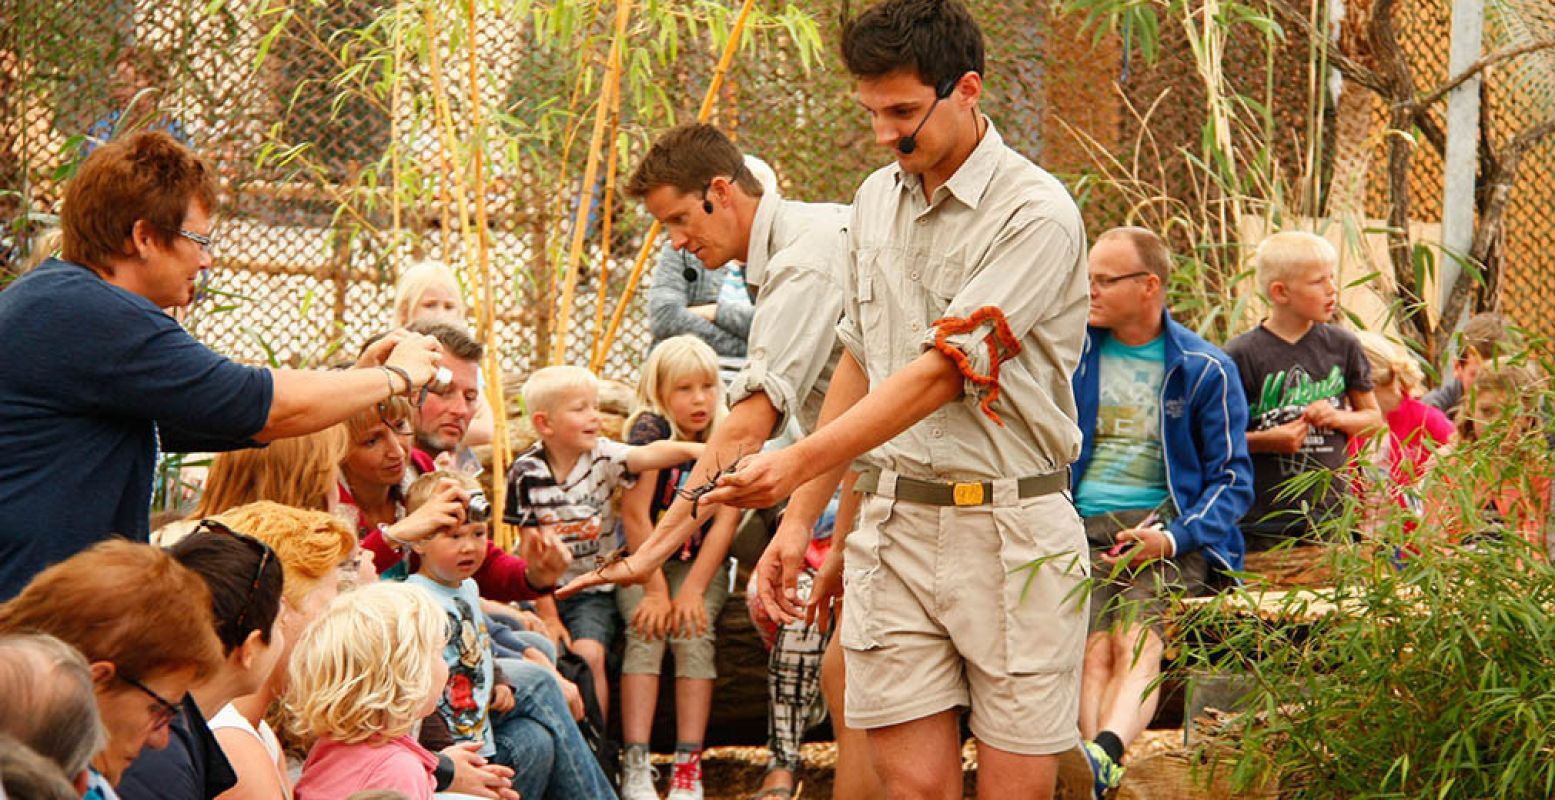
(1308,387)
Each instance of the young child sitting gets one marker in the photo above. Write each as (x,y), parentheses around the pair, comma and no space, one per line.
(369,667)
(564,483)
(1308,388)
(519,719)
(447,561)
(680,397)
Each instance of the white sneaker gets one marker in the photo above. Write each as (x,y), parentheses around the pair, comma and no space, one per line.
(686,781)
(638,776)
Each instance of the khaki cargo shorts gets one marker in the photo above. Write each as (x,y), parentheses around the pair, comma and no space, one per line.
(946,608)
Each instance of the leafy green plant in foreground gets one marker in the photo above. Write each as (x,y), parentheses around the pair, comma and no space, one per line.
(1424,671)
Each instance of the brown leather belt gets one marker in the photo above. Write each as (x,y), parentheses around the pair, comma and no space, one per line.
(969,493)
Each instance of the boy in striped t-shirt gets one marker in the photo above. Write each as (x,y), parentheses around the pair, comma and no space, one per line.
(564,483)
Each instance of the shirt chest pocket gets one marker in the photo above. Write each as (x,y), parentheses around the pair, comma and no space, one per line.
(941,277)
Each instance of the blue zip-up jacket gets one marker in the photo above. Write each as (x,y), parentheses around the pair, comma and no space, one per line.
(1203,436)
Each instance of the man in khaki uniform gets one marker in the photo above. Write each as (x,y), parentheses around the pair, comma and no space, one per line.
(965,316)
(693,180)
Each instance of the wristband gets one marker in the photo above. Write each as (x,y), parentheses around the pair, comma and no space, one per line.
(539,592)
(443,773)
(403,374)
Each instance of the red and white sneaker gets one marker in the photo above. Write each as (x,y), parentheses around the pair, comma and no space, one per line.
(686,780)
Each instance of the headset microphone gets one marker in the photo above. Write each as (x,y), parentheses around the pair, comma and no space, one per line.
(907,144)
(690,274)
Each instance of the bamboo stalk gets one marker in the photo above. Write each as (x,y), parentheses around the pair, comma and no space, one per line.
(708,100)
(574,125)
(613,166)
(394,124)
(446,125)
(590,172)
(486,306)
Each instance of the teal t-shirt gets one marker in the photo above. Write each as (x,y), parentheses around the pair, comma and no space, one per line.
(1127,468)
(466,702)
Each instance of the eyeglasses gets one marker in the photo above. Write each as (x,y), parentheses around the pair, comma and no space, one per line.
(1107,281)
(205,242)
(264,561)
(166,709)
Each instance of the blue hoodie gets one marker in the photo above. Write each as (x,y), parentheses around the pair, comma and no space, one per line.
(1203,436)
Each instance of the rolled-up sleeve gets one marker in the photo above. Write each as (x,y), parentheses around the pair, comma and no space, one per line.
(848,330)
(1025,278)
(792,335)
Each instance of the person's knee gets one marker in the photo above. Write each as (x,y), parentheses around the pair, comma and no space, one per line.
(917,777)
(1136,646)
(589,650)
(1098,652)
(695,659)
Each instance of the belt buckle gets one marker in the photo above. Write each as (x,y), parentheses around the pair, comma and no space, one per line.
(967,494)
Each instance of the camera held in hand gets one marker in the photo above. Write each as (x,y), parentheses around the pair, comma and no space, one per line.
(479,509)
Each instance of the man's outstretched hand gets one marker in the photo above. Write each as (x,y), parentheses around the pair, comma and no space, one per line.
(622,572)
(760,481)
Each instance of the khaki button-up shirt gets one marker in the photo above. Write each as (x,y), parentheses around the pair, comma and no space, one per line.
(1001,232)
(795,265)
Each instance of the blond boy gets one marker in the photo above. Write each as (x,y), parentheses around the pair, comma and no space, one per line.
(1308,387)
(564,483)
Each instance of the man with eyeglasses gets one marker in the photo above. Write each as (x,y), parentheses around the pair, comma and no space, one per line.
(98,379)
(1162,479)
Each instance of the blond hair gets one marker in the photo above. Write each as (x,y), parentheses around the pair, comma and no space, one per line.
(310,544)
(671,360)
(363,671)
(548,386)
(1390,362)
(300,471)
(423,487)
(415,281)
(1282,257)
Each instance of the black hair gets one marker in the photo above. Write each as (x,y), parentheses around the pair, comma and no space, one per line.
(938,39)
(241,602)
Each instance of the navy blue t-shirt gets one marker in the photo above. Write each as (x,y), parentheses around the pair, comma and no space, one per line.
(93,379)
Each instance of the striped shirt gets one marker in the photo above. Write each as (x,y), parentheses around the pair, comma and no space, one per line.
(577,508)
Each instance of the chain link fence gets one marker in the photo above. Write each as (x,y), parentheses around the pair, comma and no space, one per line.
(309,249)
(307,253)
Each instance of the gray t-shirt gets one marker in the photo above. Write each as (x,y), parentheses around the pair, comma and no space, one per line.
(1281,379)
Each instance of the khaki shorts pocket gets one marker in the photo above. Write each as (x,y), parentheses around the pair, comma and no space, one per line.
(1046,588)
(861,576)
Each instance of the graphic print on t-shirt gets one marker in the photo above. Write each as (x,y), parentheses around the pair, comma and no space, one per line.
(464,697)
(1283,398)
(1127,468)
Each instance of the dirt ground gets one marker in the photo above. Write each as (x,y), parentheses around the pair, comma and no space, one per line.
(733,773)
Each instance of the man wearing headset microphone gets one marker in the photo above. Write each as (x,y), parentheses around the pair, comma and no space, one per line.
(965,313)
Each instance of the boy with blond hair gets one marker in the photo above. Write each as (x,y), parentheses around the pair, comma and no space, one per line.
(565,482)
(1308,387)
(513,709)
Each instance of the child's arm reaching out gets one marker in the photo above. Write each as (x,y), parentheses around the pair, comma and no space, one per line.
(662,454)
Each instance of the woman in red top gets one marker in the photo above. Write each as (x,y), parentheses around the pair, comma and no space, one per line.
(372,476)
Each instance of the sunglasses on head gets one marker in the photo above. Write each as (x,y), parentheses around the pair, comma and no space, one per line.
(265,554)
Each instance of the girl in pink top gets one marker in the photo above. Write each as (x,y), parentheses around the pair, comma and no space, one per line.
(1415,430)
(361,677)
